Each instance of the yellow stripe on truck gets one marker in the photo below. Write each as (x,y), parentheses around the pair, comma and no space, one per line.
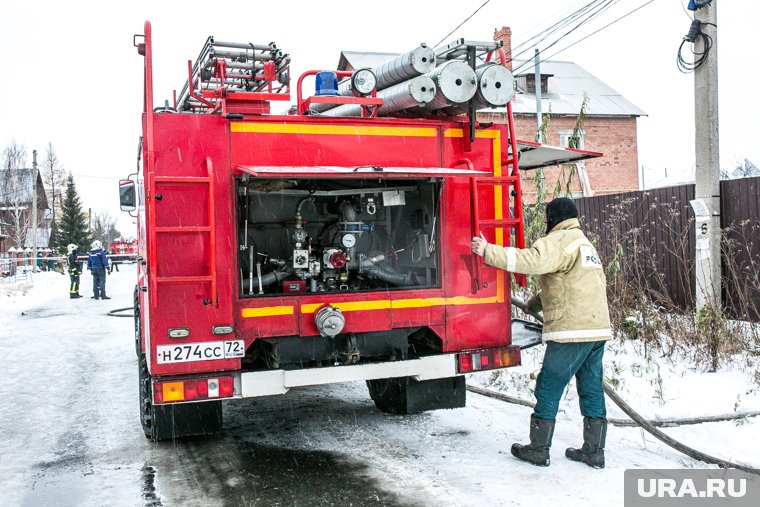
(268,311)
(340,130)
(382,304)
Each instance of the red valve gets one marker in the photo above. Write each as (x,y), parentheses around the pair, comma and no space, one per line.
(338,260)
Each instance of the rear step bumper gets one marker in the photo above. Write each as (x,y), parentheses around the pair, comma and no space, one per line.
(525,334)
(267,383)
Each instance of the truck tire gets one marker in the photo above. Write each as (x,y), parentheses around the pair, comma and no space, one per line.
(138,322)
(175,420)
(404,395)
(146,409)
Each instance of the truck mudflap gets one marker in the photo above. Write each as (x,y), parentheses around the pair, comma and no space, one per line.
(271,382)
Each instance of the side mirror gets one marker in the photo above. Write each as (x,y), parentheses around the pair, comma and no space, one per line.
(127,195)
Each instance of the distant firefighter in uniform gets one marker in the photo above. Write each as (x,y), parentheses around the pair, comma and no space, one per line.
(75,269)
(573,298)
(97,263)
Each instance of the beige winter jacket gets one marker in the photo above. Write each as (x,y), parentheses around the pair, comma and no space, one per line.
(573,285)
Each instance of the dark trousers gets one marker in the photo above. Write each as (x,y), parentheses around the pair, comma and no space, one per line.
(99,282)
(74,289)
(562,361)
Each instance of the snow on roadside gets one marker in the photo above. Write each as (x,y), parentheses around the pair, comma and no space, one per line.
(658,388)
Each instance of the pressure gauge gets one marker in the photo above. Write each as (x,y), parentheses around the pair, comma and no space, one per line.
(348,240)
(363,82)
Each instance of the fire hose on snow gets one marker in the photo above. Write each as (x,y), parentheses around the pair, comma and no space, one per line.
(117,312)
(639,420)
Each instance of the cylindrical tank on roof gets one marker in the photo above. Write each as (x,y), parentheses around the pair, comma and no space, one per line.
(455,83)
(496,86)
(418,61)
(415,92)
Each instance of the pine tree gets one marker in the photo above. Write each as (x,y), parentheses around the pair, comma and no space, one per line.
(72,227)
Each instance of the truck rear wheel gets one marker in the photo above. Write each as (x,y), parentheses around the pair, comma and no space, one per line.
(175,420)
(146,409)
(404,395)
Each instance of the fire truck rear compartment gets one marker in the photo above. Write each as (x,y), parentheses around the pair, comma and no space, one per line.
(299,236)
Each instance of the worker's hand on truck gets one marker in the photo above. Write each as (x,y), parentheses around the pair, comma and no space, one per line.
(478,245)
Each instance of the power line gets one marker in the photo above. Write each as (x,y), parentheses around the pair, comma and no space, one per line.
(590,17)
(96,177)
(460,24)
(592,13)
(542,22)
(589,35)
(547,32)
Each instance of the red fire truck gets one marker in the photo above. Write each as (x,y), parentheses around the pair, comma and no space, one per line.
(123,250)
(328,243)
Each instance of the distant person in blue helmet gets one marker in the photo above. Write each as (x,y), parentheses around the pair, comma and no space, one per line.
(573,299)
(97,263)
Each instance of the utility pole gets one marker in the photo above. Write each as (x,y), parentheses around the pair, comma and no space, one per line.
(34,210)
(537,78)
(708,236)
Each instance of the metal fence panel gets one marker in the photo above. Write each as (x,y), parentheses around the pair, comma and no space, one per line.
(657,227)
(740,220)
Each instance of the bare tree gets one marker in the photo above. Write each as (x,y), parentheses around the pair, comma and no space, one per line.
(54,178)
(13,193)
(14,156)
(103,228)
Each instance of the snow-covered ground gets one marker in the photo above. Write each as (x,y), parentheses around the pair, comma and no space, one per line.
(69,430)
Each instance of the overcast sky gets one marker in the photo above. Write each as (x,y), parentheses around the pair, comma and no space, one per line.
(72,77)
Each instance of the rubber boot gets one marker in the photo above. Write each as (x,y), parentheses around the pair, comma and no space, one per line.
(594,436)
(104,296)
(537,452)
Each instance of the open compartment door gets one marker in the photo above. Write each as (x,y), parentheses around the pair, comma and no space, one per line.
(534,155)
(356,172)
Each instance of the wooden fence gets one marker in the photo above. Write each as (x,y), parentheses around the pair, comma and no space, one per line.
(740,219)
(650,234)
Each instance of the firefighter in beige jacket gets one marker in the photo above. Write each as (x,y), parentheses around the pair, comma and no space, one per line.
(573,298)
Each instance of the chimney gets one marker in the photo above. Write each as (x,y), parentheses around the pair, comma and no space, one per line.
(505,36)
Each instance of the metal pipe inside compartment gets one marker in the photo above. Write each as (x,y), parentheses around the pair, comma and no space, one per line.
(258,275)
(267,279)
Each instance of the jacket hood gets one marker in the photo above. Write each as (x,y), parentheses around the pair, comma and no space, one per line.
(570,223)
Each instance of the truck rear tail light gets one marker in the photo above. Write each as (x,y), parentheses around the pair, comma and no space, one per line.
(226,387)
(193,389)
(487,359)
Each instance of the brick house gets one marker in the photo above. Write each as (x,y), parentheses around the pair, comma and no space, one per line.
(609,128)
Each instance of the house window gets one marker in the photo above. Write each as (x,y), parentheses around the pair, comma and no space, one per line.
(527,82)
(566,136)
